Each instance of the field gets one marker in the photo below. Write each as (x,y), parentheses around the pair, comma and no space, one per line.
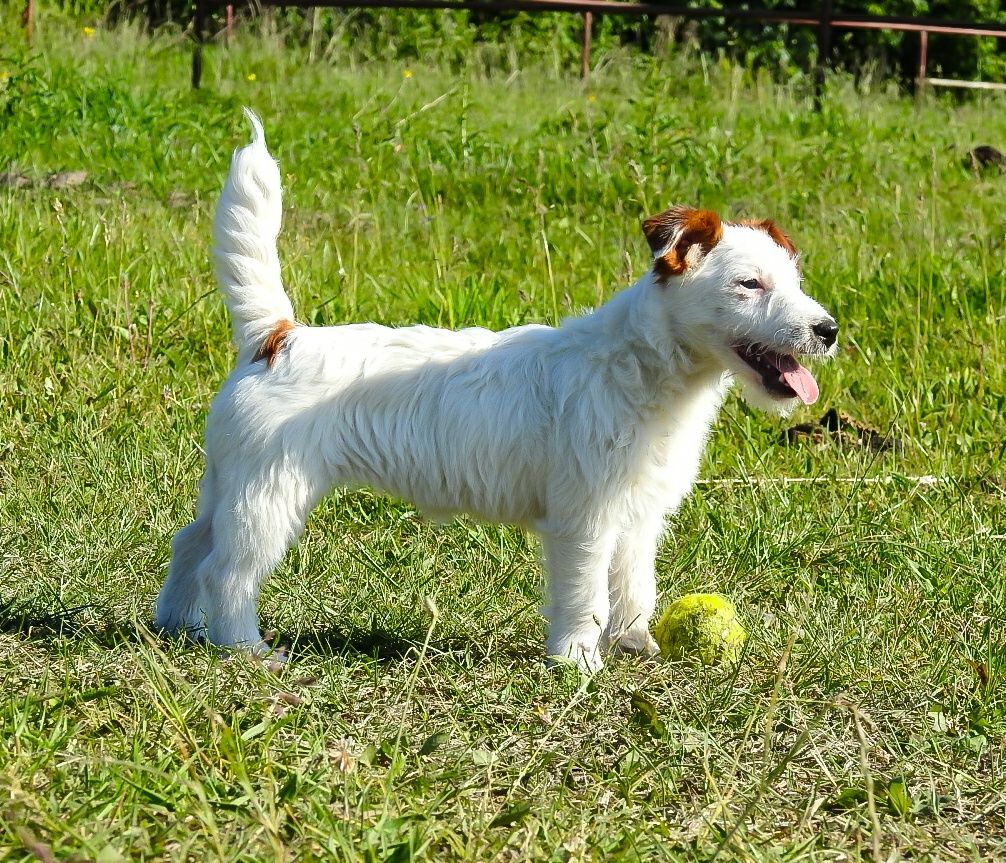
(866,718)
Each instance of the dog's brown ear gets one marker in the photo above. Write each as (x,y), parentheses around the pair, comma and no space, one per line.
(674,234)
(777,234)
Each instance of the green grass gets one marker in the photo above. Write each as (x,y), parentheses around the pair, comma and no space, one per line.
(868,712)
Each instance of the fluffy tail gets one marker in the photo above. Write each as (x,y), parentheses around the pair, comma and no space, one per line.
(244,236)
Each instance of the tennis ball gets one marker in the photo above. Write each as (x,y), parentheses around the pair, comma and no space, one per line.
(701,626)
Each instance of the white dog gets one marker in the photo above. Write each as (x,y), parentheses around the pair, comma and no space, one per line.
(588,433)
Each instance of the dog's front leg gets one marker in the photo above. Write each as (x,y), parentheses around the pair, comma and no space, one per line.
(632,587)
(577,565)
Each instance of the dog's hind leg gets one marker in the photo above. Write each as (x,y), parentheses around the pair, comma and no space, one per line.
(181,604)
(632,587)
(578,595)
(254,523)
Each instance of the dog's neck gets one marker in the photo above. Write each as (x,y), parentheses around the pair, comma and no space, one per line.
(633,340)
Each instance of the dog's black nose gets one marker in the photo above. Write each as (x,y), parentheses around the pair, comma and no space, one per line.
(827,331)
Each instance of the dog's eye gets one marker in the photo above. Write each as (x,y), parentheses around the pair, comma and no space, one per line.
(750,284)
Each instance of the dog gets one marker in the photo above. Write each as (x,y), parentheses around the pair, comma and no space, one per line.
(589,433)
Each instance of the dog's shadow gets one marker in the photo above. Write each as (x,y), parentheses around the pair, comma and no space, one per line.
(33,623)
(376,641)
(387,645)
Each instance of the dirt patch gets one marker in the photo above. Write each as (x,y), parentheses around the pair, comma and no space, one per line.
(838,427)
(984,157)
(55,180)
(14,180)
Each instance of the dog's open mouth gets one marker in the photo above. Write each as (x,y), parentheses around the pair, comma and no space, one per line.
(780,374)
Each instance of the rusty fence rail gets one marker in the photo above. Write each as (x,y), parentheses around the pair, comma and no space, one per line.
(826,19)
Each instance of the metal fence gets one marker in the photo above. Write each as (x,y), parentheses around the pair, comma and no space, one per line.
(825,19)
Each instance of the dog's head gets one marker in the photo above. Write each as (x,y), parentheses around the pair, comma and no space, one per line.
(737,300)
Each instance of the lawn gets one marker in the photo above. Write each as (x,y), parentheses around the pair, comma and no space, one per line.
(417,720)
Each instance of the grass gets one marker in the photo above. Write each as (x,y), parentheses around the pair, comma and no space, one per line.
(867,715)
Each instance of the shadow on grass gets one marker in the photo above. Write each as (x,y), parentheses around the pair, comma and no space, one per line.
(385,644)
(33,622)
(376,641)
(389,645)
(28,620)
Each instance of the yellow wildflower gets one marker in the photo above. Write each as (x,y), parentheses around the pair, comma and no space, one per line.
(407,73)
(89,32)
(251,76)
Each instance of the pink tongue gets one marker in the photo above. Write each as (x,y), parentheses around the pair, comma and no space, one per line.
(799,379)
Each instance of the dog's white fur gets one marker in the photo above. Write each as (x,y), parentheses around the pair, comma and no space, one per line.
(588,434)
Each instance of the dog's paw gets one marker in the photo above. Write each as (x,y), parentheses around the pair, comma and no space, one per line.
(635,640)
(179,613)
(275,657)
(588,665)
(182,627)
(586,655)
(272,653)
(260,652)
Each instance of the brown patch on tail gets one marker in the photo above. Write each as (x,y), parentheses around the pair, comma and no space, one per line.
(274,342)
(692,227)
(778,235)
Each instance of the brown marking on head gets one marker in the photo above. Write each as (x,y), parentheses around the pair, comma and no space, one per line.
(274,342)
(777,234)
(674,233)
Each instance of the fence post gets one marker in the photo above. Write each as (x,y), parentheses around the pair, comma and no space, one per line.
(313,43)
(28,19)
(920,78)
(588,26)
(229,32)
(823,50)
(199,30)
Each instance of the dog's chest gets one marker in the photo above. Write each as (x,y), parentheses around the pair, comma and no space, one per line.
(673,444)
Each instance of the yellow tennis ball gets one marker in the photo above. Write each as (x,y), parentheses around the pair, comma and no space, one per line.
(701,626)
